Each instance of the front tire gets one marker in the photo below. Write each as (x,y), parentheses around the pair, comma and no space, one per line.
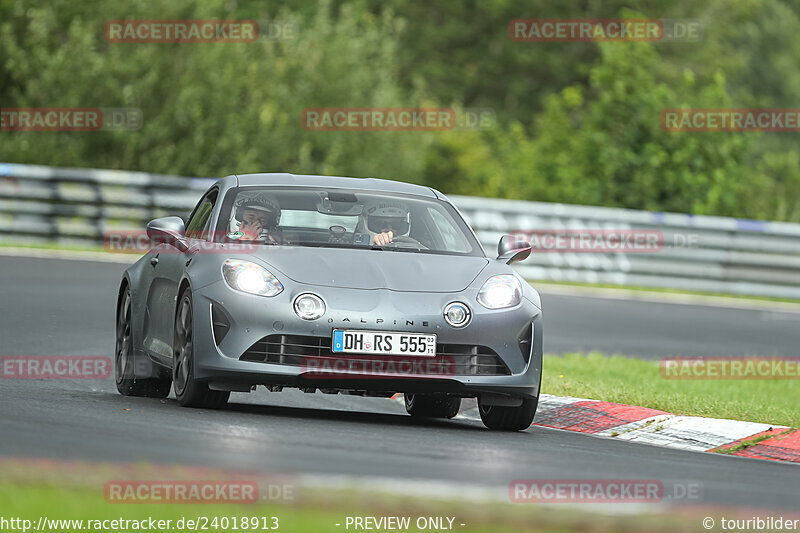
(431,406)
(189,391)
(126,363)
(502,418)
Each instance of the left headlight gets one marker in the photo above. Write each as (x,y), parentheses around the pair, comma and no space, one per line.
(500,292)
(250,278)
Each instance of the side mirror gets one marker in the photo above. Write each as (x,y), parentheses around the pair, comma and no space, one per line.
(513,248)
(169,230)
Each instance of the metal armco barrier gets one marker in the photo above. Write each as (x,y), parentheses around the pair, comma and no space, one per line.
(703,253)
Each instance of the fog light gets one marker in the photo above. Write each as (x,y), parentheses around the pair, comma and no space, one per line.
(457,314)
(309,306)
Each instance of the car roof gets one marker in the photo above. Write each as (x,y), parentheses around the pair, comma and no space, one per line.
(301,180)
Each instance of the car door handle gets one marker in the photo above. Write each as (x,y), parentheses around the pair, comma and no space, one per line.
(154,260)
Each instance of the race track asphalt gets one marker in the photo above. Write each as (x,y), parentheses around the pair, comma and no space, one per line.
(66,307)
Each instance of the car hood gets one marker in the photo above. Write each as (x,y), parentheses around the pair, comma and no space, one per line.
(373,269)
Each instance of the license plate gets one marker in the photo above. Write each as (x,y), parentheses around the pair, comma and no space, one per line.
(383,342)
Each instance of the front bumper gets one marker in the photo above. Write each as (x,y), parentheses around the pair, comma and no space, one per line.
(252,318)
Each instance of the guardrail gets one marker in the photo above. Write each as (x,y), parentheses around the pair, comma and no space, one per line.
(701,253)
(704,253)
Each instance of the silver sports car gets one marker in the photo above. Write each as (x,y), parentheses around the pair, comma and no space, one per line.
(343,285)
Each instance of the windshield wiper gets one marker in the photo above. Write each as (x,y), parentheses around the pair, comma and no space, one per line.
(329,245)
(345,246)
(250,243)
(395,248)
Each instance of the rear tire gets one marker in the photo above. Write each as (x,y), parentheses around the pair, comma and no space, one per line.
(126,362)
(501,418)
(189,391)
(432,406)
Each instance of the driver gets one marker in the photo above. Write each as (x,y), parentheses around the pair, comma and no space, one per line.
(386,222)
(256,218)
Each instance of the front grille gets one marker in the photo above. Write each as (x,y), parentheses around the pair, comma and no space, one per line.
(303,350)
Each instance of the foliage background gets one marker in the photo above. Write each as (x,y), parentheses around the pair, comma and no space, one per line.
(576,122)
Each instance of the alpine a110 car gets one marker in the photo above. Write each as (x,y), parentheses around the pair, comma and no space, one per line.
(340,285)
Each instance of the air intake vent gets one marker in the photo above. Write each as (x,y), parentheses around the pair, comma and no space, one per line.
(299,350)
(526,341)
(220,323)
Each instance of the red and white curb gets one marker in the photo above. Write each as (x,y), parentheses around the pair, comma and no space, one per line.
(659,428)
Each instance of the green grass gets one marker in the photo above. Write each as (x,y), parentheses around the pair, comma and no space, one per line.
(31,502)
(639,382)
(317,512)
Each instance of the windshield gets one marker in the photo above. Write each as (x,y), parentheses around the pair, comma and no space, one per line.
(306,216)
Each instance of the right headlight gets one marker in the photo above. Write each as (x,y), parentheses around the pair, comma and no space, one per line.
(250,278)
(500,292)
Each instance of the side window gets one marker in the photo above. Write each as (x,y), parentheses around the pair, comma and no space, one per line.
(198,225)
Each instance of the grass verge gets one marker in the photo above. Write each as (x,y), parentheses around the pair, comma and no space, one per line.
(638,382)
(318,513)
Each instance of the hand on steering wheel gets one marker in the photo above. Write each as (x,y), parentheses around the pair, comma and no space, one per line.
(406,239)
(382,239)
(387,238)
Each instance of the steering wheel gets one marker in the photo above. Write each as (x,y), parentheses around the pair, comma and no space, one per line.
(404,239)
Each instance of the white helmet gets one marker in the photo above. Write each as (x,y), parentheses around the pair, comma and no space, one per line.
(260,202)
(387,216)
